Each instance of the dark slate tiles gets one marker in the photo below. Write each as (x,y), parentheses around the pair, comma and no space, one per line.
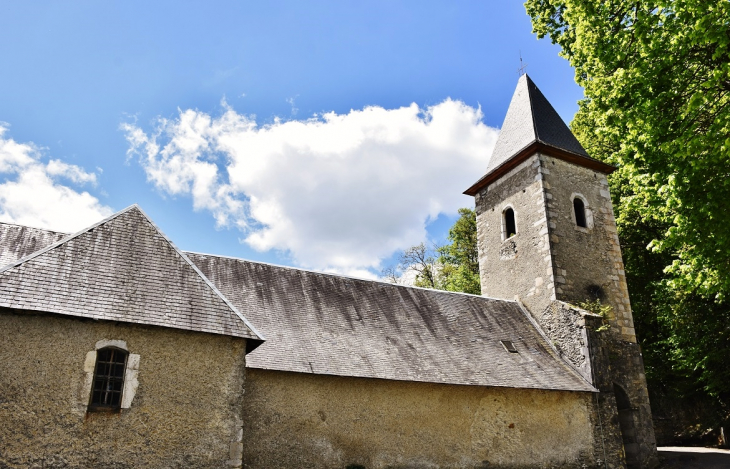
(327,324)
(531,118)
(549,126)
(123,269)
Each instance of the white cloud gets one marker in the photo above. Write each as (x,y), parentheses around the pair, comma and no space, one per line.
(72,172)
(30,193)
(294,108)
(339,192)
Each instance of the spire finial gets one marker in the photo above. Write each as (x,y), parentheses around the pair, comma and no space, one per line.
(523,67)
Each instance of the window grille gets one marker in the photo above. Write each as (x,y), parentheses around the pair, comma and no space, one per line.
(106,393)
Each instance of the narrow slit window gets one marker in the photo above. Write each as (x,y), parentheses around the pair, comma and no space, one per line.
(510,228)
(580,212)
(106,392)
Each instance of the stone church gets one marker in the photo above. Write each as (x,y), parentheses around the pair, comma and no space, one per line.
(118,350)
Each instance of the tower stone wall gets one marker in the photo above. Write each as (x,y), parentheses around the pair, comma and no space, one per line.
(587,261)
(552,263)
(557,258)
(520,265)
(551,258)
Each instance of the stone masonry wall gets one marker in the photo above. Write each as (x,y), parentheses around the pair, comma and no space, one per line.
(565,326)
(297,420)
(520,265)
(588,265)
(186,411)
(619,363)
(588,262)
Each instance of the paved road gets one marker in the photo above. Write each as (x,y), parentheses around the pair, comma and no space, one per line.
(683,457)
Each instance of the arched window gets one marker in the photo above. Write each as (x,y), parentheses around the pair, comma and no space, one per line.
(510,228)
(580,212)
(106,391)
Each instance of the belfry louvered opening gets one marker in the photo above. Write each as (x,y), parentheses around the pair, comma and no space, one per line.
(106,393)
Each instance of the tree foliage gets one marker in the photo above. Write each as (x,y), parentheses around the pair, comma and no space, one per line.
(657,80)
(452,267)
(656,77)
(417,264)
(459,260)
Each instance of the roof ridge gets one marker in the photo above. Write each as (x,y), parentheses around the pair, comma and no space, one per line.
(532,107)
(66,239)
(348,277)
(33,227)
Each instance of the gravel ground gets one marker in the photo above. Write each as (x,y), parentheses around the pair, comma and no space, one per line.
(683,457)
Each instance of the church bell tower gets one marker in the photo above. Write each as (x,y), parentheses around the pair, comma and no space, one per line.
(547,237)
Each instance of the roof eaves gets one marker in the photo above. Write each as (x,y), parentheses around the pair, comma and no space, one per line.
(427,381)
(508,164)
(529,150)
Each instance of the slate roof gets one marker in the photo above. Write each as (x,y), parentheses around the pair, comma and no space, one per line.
(18,241)
(532,125)
(121,269)
(531,118)
(327,324)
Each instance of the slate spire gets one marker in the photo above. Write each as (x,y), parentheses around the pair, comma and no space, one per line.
(532,125)
(531,118)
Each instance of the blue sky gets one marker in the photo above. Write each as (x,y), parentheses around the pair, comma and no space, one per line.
(298,133)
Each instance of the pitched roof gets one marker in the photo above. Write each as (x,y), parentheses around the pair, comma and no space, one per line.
(18,241)
(327,324)
(532,124)
(530,117)
(120,269)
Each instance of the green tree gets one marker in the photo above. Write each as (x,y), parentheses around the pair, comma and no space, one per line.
(452,267)
(459,260)
(657,82)
(417,264)
(656,77)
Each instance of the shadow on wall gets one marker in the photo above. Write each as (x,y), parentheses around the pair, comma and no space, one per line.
(677,457)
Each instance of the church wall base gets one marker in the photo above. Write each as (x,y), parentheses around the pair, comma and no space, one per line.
(296,420)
